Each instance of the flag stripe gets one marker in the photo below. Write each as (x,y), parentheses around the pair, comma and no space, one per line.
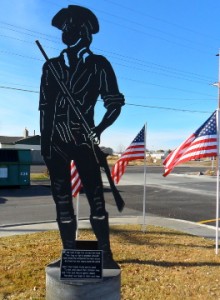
(133,151)
(139,146)
(196,153)
(193,149)
(198,148)
(136,150)
(203,143)
(76,184)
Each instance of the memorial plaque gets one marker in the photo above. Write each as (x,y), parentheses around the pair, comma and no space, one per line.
(81,265)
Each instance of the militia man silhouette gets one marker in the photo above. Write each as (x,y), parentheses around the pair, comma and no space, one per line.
(63,138)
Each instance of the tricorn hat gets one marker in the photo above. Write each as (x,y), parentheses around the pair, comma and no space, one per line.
(79,14)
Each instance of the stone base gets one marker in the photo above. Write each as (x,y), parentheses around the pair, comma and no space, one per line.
(107,289)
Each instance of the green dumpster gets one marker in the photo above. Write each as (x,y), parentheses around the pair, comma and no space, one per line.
(15,167)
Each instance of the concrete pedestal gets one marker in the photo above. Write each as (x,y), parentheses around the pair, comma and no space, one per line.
(107,289)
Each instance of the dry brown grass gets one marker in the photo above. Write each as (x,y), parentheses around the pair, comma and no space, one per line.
(156,264)
(39,176)
(138,162)
(150,161)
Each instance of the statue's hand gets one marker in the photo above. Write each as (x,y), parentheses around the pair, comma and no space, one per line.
(94,136)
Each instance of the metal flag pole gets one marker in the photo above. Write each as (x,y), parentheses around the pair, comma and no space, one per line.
(77,215)
(144,193)
(217,163)
(217,184)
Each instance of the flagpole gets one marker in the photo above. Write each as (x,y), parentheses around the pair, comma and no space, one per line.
(77,215)
(217,162)
(144,193)
(217,185)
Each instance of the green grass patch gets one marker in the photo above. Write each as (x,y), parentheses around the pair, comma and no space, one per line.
(156,264)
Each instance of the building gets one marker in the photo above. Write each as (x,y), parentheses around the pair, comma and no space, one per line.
(24,142)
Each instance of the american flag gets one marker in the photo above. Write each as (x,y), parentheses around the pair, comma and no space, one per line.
(136,150)
(202,143)
(75,179)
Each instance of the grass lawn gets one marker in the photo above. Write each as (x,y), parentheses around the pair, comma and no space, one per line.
(156,264)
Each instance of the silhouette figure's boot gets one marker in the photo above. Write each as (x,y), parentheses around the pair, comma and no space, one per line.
(100,226)
(68,232)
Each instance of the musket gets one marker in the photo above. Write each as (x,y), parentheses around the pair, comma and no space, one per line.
(103,162)
(100,155)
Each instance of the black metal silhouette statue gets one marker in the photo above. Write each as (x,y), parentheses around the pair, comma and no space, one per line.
(70,86)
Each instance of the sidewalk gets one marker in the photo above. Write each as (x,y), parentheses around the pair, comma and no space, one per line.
(201,230)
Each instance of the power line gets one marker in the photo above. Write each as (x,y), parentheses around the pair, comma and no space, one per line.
(158,37)
(119,17)
(27,29)
(124,78)
(170,98)
(133,60)
(128,79)
(127,96)
(199,79)
(136,60)
(143,32)
(30,34)
(169,108)
(131,104)
(154,65)
(144,26)
(161,20)
(162,86)
(21,55)
(17,89)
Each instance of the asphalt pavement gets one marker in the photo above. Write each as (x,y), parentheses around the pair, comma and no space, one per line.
(188,227)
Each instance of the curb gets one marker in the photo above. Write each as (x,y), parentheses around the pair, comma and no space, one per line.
(189,227)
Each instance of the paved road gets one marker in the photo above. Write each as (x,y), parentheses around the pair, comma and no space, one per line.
(180,196)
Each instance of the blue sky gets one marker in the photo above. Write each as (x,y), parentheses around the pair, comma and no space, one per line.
(163,53)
